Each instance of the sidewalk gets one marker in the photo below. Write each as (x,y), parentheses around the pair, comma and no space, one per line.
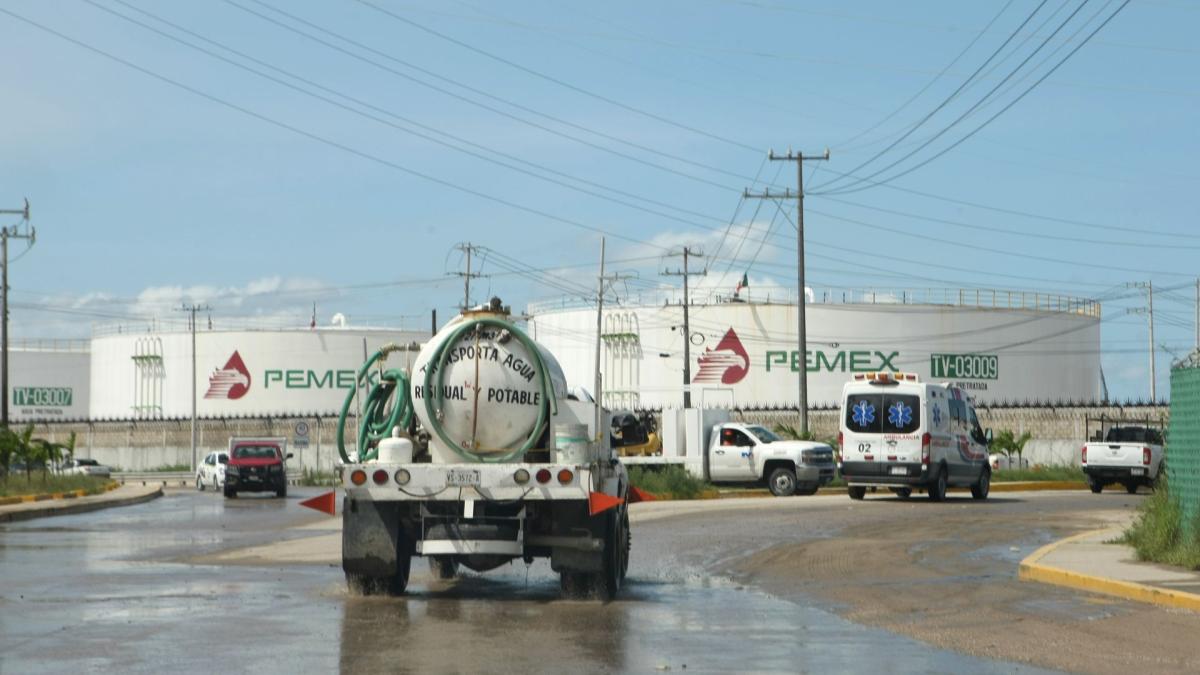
(1086,562)
(122,496)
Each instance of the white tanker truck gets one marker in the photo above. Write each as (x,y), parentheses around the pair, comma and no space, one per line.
(477,456)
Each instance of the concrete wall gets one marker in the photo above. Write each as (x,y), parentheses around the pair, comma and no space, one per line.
(148,445)
(1058,434)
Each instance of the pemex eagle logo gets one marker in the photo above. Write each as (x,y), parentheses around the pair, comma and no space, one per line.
(727,364)
(231,382)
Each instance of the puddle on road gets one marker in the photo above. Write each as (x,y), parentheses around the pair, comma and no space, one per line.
(64,607)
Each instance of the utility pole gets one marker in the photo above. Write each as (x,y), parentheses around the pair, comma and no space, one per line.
(798,158)
(687,327)
(1149,311)
(192,309)
(599,336)
(467,249)
(6,233)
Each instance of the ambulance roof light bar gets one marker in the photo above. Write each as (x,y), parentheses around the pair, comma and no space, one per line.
(885,377)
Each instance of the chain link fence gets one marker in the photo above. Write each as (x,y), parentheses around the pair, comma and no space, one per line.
(1183,439)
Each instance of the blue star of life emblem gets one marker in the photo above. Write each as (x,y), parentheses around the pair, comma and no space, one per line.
(899,414)
(937,416)
(864,413)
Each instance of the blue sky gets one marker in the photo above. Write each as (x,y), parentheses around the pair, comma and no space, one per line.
(146,195)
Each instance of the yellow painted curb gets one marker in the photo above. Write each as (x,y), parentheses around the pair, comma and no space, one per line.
(73,494)
(1033,486)
(1033,570)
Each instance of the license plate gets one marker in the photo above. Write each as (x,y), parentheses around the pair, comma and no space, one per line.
(462,477)
(899,471)
(1135,472)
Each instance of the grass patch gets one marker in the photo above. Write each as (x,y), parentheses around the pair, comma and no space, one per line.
(1039,473)
(16,485)
(314,478)
(1158,534)
(670,482)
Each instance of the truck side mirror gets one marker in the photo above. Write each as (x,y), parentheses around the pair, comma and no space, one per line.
(288,456)
(987,435)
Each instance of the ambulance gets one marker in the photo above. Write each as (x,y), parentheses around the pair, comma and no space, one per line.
(902,434)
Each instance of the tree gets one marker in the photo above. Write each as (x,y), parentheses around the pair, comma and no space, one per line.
(25,451)
(8,449)
(1010,444)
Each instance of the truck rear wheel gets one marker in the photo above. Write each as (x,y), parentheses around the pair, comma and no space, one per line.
(390,585)
(856,492)
(1096,485)
(782,482)
(1131,487)
(443,567)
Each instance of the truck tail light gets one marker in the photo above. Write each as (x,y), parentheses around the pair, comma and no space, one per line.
(841,440)
(358,476)
(543,475)
(926,441)
(566,476)
(380,476)
(1146,456)
(521,476)
(403,476)
(1083,455)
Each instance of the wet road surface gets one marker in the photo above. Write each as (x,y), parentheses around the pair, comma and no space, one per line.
(732,590)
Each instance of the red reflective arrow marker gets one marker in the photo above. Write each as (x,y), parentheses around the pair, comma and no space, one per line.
(326,503)
(638,495)
(598,502)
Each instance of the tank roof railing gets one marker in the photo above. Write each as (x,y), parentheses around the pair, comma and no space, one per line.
(156,327)
(78,345)
(978,298)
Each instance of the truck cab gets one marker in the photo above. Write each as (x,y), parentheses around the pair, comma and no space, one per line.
(257,465)
(903,434)
(743,453)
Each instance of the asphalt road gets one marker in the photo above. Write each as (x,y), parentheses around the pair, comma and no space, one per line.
(814,584)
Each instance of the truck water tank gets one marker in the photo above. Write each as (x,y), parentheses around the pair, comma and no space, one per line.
(487,391)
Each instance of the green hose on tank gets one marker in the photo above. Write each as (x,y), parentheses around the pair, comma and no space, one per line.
(377,423)
(435,368)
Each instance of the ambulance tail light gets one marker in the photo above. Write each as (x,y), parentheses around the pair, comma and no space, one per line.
(841,440)
(926,441)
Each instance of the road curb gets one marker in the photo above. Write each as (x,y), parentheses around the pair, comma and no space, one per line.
(1031,569)
(69,505)
(72,494)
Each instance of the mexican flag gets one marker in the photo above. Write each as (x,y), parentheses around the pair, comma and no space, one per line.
(744,283)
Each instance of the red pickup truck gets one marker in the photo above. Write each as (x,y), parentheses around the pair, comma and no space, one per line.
(257,465)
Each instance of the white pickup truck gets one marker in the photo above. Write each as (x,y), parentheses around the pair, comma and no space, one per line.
(1127,453)
(744,453)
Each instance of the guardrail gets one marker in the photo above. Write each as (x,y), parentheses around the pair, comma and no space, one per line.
(175,478)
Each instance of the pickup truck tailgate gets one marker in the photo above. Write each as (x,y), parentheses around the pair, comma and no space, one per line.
(1114,454)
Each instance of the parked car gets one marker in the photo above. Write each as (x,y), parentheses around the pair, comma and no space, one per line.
(84,467)
(211,472)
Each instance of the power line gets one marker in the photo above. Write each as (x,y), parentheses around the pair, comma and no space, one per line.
(945,102)
(989,120)
(552,79)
